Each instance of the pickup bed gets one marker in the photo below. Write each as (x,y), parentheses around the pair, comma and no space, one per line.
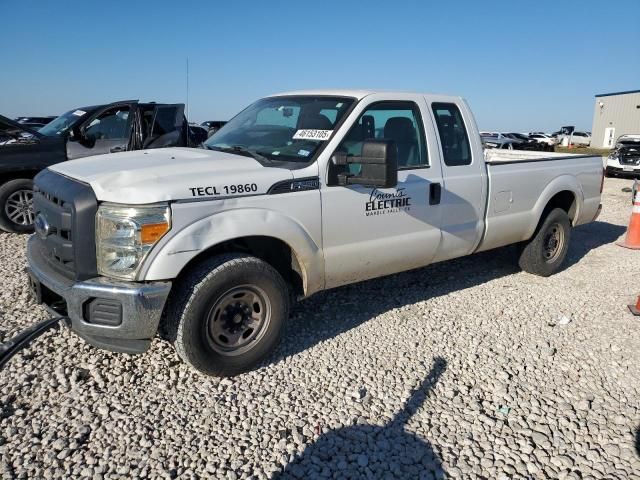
(300,192)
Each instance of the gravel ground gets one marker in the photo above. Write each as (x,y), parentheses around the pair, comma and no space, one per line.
(466,369)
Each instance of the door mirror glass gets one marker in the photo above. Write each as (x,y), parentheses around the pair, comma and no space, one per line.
(378,165)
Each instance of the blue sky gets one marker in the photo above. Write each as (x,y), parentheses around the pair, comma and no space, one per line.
(521,65)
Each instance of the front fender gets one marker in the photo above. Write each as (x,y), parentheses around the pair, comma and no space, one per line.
(173,253)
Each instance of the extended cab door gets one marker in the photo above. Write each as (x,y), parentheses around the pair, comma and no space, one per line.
(370,232)
(164,125)
(107,131)
(464,193)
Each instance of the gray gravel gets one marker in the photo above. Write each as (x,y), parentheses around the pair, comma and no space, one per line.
(467,369)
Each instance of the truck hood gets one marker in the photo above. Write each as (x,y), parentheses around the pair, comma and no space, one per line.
(167,174)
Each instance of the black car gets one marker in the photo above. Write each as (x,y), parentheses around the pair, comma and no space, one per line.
(34,122)
(95,130)
(198,133)
(527,143)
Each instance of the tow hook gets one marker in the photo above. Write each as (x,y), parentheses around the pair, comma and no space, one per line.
(24,338)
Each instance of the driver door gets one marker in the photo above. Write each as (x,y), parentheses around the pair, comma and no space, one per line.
(108,131)
(370,232)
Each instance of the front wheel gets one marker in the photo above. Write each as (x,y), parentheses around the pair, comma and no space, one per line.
(16,206)
(544,253)
(227,314)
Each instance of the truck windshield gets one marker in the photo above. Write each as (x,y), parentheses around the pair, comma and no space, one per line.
(63,123)
(289,129)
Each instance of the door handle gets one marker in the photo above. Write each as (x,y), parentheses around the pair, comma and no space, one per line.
(435,192)
(116,149)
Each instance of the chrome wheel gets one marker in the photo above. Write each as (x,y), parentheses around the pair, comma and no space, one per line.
(553,243)
(237,320)
(19,207)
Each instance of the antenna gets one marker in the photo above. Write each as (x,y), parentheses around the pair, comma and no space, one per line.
(188,117)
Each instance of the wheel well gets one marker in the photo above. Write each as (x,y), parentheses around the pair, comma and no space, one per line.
(566,200)
(274,251)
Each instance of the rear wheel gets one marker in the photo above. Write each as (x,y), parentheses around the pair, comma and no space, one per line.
(16,206)
(227,314)
(544,253)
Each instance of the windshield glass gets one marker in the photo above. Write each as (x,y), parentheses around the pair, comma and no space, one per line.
(290,129)
(63,123)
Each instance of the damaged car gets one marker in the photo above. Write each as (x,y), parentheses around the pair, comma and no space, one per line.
(624,160)
(82,132)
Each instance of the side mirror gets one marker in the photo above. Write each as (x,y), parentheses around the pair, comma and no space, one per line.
(378,165)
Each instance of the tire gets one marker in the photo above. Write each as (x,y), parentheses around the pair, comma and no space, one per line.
(211,317)
(544,253)
(16,206)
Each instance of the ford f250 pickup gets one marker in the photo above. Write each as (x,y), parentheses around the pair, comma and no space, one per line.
(299,193)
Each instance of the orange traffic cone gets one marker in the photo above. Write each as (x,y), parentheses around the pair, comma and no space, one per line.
(632,240)
(635,309)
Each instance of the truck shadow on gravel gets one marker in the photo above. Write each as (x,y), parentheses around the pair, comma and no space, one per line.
(368,451)
(333,312)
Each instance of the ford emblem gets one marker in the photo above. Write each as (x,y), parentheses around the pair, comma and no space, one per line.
(41,226)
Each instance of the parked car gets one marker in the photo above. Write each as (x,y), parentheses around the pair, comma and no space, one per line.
(198,133)
(580,138)
(543,138)
(95,130)
(526,143)
(517,136)
(625,158)
(492,134)
(501,142)
(34,122)
(295,195)
(213,126)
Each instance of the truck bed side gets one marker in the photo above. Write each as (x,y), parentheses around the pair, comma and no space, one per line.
(522,184)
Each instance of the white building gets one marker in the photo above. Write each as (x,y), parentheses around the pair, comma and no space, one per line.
(615,114)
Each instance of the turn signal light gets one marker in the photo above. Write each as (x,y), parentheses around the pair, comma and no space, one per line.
(152,232)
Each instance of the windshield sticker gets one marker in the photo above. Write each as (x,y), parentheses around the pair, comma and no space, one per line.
(318,135)
(304,153)
(78,113)
(275,153)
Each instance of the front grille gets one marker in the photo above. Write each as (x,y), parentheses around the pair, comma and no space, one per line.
(68,208)
(630,158)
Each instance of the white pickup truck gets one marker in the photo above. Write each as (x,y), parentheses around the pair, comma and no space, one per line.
(299,193)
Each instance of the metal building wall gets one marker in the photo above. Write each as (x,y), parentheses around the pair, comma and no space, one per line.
(619,111)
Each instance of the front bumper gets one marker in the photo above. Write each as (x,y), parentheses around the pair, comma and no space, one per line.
(137,318)
(616,168)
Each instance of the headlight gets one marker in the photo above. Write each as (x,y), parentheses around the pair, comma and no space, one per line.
(124,236)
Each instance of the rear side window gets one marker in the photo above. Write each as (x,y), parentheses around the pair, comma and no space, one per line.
(453,134)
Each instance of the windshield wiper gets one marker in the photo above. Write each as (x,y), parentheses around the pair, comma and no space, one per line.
(239,149)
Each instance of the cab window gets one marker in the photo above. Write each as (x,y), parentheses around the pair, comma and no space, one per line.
(110,125)
(397,121)
(453,134)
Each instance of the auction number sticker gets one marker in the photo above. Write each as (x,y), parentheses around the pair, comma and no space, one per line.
(319,135)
